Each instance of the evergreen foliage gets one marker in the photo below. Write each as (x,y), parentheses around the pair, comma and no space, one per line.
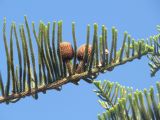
(54,71)
(122,103)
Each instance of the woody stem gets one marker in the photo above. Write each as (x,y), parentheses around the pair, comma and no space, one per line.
(80,67)
(69,68)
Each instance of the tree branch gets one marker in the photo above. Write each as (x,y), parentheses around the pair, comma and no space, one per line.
(70,79)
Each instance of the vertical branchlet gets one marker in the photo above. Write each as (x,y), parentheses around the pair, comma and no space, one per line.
(133,47)
(58,49)
(19,58)
(11,61)
(115,44)
(7,87)
(2,86)
(106,45)
(24,60)
(139,49)
(96,48)
(112,45)
(27,59)
(123,46)
(93,48)
(48,58)
(75,47)
(54,51)
(42,55)
(54,75)
(101,47)
(128,46)
(32,54)
(45,58)
(16,80)
(39,53)
(86,57)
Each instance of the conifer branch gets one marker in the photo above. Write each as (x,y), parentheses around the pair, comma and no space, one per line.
(55,64)
(123,103)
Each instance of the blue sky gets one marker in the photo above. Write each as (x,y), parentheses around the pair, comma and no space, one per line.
(138,17)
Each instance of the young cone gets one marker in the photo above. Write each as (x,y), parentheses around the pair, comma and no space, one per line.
(80,57)
(67,54)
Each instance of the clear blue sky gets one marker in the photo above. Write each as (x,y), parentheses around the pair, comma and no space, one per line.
(138,17)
